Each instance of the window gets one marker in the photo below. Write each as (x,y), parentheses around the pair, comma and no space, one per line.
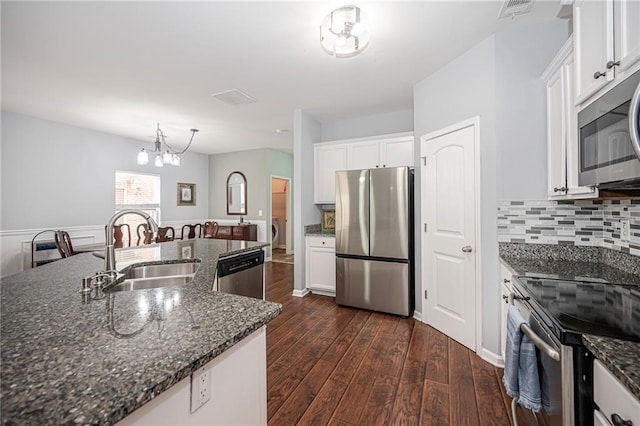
(137,191)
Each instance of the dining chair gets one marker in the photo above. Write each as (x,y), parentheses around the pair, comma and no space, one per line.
(211,229)
(118,235)
(165,233)
(63,242)
(192,229)
(144,235)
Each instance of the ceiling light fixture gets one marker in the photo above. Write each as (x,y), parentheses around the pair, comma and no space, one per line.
(169,156)
(344,32)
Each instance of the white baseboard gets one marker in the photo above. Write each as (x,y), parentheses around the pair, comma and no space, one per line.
(417,315)
(492,358)
(300,293)
(324,293)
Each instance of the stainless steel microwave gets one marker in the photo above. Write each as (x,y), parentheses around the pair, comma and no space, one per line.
(608,139)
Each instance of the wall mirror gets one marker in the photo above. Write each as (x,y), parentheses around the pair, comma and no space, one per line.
(236,194)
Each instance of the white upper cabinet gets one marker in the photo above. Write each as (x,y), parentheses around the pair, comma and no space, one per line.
(562,142)
(328,160)
(393,152)
(384,151)
(607,43)
(363,155)
(397,152)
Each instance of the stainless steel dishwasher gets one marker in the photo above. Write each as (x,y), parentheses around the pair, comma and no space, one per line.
(242,274)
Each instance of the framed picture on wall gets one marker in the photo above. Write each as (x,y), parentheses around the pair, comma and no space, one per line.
(186,194)
(328,220)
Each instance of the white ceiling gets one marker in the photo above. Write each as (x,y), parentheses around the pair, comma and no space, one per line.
(122,67)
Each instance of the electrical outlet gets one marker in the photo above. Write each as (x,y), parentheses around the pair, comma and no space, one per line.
(200,388)
(625,230)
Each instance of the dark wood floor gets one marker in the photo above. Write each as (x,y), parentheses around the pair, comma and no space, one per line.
(340,366)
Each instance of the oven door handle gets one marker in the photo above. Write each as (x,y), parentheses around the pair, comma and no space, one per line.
(540,344)
(634,121)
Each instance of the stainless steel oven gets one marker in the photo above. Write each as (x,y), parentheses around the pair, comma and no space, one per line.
(609,139)
(555,363)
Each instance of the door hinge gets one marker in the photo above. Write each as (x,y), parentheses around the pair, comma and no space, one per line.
(424,160)
(425,294)
(425,227)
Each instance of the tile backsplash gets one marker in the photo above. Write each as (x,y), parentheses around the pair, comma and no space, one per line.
(568,222)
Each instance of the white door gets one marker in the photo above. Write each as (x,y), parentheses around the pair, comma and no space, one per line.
(449,238)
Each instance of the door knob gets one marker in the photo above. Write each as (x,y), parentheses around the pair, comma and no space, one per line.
(467,249)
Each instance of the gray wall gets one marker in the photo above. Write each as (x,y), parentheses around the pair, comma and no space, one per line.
(56,175)
(253,164)
(465,88)
(370,125)
(306,131)
(473,85)
(522,55)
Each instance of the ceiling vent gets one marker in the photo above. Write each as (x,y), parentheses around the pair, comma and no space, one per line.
(511,8)
(234,97)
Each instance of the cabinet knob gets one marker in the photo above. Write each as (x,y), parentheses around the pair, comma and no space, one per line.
(561,189)
(323,242)
(467,249)
(612,64)
(506,281)
(599,74)
(505,298)
(618,421)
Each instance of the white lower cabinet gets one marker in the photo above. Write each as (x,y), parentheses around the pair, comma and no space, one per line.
(321,265)
(505,280)
(614,400)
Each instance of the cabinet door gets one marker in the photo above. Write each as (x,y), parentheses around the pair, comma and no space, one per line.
(627,35)
(328,160)
(322,269)
(593,42)
(571,136)
(556,161)
(363,155)
(397,152)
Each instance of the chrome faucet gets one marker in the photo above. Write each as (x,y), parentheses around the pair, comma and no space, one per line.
(109,253)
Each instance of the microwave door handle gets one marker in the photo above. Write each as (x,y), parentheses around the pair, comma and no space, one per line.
(634,118)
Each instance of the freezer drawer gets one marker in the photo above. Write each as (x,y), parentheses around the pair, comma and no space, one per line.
(375,285)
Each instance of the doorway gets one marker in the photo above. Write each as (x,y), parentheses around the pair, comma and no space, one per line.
(280,223)
(451,237)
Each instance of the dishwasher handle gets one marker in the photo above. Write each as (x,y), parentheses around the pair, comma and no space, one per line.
(235,264)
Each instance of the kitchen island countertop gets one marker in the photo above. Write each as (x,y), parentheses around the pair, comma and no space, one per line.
(69,360)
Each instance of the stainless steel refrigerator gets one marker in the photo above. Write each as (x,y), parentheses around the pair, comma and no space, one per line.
(374,239)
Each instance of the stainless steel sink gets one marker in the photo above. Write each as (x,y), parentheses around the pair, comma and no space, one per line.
(154,276)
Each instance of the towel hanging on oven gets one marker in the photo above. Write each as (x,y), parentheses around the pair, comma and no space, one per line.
(521,365)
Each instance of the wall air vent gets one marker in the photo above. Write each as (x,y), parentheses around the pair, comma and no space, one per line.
(511,8)
(234,97)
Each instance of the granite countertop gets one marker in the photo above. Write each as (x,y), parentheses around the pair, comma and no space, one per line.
(320,234)
(67,360)
(571,263)
(620,357)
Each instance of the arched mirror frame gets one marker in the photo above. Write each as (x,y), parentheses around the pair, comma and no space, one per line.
(244,189)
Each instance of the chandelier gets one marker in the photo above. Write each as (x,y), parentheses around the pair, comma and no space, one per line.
(169,156)
(344,32)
